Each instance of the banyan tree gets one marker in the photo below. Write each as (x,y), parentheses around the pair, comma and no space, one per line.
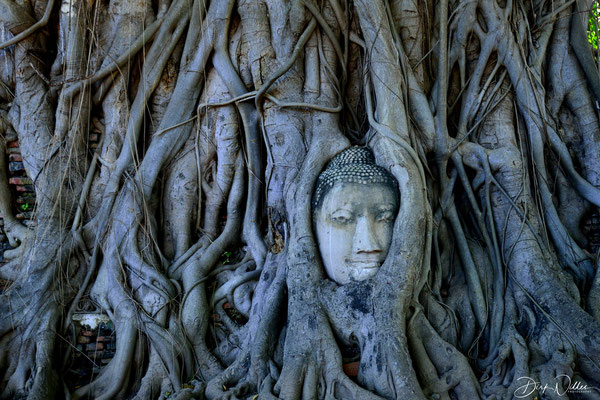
(281,188)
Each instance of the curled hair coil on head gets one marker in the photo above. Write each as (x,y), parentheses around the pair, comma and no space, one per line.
(353,165)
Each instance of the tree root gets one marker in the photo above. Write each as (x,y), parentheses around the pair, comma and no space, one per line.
(30,30)
(252,365)
(454,371)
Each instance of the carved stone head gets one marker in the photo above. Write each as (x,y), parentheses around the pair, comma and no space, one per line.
(354,207)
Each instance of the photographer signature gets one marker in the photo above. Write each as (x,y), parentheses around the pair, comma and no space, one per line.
(530,385)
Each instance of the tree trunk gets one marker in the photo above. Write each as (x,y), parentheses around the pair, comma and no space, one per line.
(190,222)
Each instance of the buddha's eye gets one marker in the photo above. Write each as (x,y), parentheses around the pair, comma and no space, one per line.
(341,218)
(386,217)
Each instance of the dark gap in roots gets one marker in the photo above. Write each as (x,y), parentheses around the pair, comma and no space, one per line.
(96,343)
(235,315)
(350,356)
(95,132)
(481,20)
(155,6)
(590,227)
(5,285)
(455,98)
(463,207)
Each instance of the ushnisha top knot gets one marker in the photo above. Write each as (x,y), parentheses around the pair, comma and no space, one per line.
(353,165)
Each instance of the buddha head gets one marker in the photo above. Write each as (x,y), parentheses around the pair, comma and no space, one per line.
(354,207)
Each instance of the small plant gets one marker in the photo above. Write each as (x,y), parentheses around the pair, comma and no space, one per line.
(593,25)
(226,256)
(25,207)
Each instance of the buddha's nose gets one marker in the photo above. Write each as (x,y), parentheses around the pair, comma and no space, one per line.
(365,240)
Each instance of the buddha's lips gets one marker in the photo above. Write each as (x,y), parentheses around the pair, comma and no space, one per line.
(365,264)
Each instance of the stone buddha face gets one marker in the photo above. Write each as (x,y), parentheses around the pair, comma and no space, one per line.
(354,209)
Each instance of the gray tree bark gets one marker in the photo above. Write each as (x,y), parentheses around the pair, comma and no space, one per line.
(190,226)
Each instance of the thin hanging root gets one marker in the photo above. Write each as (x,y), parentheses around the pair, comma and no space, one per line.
(330,35)
(236,87)
(40,24)
(136,46)
(275,100)
(309,106)
(298,49)
(158,57)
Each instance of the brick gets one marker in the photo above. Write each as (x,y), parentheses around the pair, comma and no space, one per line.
(85,332)
(16,166)
(351,369)
(98,355)
(13,144)
(25,188)
(15,157)
(83,339)
(20,180)
(27,198)
(93,137)
(99,346)
(90,347)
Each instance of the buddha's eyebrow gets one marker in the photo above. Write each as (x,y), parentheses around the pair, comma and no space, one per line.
(341,208)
